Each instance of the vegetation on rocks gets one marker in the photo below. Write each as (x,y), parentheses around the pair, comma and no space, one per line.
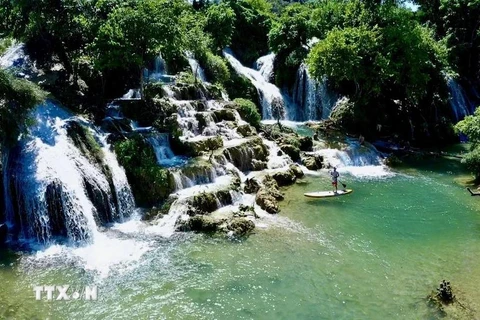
(150,184)
(248,111)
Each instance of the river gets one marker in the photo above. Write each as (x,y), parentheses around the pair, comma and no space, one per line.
(375,254)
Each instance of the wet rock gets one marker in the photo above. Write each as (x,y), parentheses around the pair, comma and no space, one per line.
(251,185)
(201,223)
(207,202)
(292,151)
(202,120)
(197,147)
(266,201)
(272,186)
(223,115)
(306,143)
(313,162)
(268,195)
(285,178)
(246,130)
(392,161)
(157,212)
(118,126)
(240,226)
(258,165)
(242,155)
(297,170)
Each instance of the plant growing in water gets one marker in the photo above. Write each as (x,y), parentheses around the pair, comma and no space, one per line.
(278,110)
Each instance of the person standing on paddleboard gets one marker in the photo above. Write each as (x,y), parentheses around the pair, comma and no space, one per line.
(335,176)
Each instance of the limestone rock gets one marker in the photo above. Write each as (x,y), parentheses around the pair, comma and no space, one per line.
(266,201)
(251,185)
(306,143)
(297,170)
(223,115)
(292,151)
(241,226)
(285,178)
(246,130)
(313,162)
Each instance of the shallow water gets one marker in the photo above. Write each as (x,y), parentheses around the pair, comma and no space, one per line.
(374,254)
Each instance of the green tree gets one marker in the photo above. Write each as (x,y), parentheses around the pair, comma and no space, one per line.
(17,98)
(133,36)
(220,24)
(470,126)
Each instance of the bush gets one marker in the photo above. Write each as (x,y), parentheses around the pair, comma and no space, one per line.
(248,111)
(216,68)
(150,183)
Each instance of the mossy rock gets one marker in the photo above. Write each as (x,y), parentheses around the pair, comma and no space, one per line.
(266,201)
(285,178)
(198,147)
(314,162)
(291,150)
(158,212)
(223,115)
(84,140)
(297,170)
(251,185)
(241,226)
(246,130)
(306,143)
(242,155)
(201,223)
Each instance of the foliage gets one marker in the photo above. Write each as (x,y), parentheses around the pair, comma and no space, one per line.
(85,141)
(132,36)
(248,111)
(150,183)
(17,98)
(238,86)
(216,68)
(252,24)
(470,126)
(220,24)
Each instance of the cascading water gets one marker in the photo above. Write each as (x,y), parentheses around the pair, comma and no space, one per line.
(264,65)
(267,91)
(362,160)
(315,101)
(164,154)
(197,70)
(459,101)
(53,190)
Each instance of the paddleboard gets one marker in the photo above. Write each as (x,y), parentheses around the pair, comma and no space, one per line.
(326,194)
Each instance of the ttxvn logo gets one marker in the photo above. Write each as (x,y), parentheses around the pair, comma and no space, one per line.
(63,293)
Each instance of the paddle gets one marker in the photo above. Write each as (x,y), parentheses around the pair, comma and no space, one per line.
(343,184)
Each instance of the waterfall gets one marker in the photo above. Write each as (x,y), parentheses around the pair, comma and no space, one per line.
(315,101)
(197,70)
(159,72)
(164,154)
(54,190)
(459,101)
(264,65)
(266,90)
(360,160)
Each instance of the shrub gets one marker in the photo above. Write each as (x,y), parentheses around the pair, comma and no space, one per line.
(150,183)
(216,68)
(248,111)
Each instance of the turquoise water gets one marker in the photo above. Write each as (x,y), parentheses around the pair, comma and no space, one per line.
(374,254)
